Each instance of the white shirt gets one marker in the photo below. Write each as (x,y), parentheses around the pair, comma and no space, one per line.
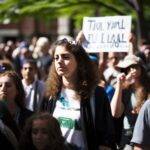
(67,111)
(30,92)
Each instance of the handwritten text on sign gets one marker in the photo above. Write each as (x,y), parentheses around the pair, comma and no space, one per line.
(107,33)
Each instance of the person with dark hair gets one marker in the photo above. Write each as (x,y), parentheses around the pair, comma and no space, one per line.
(9,133)
(33,87)
(42,132)
(12,93)
(132,90)
(22,53)
(73,97)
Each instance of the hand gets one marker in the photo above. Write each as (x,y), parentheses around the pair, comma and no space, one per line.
(133,43)
(132,38)
(130,78)
(121,78)
(122,81)
(80,37)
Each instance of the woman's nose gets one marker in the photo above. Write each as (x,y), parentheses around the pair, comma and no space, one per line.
(3,87)
(39,135)
(27,70)
(60,59)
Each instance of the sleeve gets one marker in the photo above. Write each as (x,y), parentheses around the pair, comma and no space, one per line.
(47,105)
(141,132)
(43,105)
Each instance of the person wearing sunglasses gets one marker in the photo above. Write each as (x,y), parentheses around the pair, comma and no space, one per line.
(131,91)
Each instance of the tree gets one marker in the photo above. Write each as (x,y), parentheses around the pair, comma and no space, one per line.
(138,6)
(13,10)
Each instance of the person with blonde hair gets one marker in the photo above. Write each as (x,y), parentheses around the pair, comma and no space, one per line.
(42,54)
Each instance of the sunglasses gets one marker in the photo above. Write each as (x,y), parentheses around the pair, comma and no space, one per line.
(126,70)
(135,66)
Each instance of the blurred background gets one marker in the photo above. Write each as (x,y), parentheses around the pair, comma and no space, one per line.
(25,19)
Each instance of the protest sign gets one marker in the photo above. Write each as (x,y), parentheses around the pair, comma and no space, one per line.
(107,33)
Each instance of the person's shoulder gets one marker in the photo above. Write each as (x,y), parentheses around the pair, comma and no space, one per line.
(100,90)
(40,83)
(146,105)
(100,93)
(147,102)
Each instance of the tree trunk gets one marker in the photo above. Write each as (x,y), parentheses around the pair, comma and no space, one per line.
(141,21)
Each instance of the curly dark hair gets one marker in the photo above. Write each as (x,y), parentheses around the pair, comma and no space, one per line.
(87,74)
(56,139)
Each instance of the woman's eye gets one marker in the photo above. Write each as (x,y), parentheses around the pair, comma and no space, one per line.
(34,131)
(56,57)
(66,57)
(9,85)
(6,85)
(44,131)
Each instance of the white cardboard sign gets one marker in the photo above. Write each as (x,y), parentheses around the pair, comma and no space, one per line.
(107,34)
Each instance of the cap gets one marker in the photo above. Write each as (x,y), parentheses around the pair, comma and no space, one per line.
(128,61)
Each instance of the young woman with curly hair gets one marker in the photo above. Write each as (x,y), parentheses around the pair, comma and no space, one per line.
(73,97)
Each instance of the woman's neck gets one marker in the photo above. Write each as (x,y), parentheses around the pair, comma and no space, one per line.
(12,107)
(68,83)
(137,84)
(28,82)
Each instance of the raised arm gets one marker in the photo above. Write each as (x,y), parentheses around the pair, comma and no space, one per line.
(117,106)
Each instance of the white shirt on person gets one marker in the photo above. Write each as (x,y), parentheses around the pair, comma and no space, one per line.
(30,93)
(67,111)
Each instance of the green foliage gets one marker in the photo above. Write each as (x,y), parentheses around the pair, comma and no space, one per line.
(76,9)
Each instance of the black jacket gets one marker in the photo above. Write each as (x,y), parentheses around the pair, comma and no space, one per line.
(5,143)
(97,132)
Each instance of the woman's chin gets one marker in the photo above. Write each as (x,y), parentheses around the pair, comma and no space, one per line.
(3,98)
(61,73)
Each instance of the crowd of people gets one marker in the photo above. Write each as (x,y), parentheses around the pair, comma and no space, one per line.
(56,96)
